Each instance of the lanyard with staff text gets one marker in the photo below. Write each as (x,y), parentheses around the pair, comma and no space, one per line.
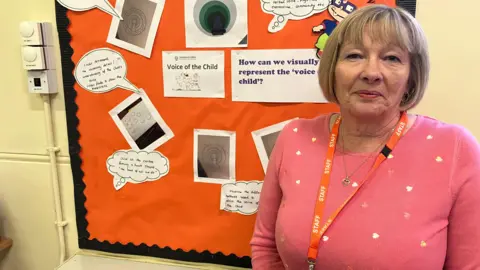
(317,231)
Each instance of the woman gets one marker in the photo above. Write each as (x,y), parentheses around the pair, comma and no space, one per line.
(372,187)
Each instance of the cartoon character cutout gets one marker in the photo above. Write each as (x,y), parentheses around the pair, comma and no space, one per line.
(338,9)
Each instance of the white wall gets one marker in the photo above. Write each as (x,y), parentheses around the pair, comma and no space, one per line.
(26,205)
(26,196)
(454,39)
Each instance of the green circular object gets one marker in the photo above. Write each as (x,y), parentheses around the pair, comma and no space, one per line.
(211,11)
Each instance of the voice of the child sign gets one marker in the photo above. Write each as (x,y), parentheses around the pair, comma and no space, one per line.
(193,66)
(84,5)
(102,70)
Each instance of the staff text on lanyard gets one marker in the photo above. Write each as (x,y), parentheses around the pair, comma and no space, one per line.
(317,229)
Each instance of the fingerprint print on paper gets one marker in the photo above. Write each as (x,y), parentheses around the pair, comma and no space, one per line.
(214,156)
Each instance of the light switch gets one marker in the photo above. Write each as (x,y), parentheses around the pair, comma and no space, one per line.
(38,58)
(31,33)
(34,58)
(27,29)
(42,82)
(30,53)
(37,82)
(36,33)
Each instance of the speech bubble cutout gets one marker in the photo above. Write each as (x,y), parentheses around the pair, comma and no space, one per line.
(102,70)
(129,166)
(241,197)
(84,5)
(284,10)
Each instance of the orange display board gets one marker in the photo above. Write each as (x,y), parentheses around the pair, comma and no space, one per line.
(173,217)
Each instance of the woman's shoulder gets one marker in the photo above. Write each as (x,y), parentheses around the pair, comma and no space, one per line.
(318,122)
(443,131)
(453,139)
(317,126)
(465,153)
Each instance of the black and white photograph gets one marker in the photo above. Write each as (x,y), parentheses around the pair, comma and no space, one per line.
(269,142)
(138,29)
(140,123)
(265,139)
(214,156)
(216,24)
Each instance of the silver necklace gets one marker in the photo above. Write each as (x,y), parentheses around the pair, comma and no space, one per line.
(347,180)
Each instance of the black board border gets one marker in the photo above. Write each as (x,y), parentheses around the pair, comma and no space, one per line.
(79,186)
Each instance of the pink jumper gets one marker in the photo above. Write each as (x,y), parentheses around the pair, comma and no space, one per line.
(419,211)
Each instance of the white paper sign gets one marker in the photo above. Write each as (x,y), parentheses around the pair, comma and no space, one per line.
(194,74)
(129,166)
(241,197)
(102,70)
(276,76)
(84,5)
(284,10)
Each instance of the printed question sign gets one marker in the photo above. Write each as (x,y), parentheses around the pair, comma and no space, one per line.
(284,10)
(102,70)
(241,197)
(84,5)
(129,166)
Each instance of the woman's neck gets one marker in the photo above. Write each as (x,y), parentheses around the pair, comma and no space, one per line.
(365,135)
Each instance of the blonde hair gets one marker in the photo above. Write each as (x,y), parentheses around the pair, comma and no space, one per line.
(388,25)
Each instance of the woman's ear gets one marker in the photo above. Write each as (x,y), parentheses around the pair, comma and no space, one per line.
(405,96)
(405,99)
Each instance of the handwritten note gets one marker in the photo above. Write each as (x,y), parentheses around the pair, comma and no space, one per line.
(284,10)
(84,5)
(103,70)
(129,166)
(241,197)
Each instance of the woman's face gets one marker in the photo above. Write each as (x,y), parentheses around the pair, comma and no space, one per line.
(371,79)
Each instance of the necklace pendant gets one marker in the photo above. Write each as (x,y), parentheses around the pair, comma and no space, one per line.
(346,181)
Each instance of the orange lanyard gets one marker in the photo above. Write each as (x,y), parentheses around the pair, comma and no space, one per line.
(317,231)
